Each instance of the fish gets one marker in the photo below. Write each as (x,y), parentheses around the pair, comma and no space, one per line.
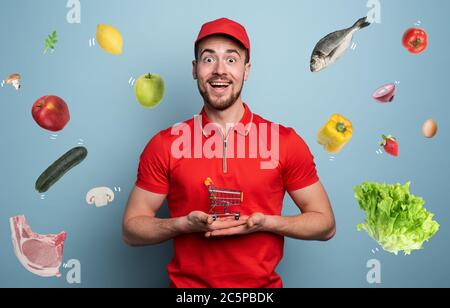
(329,49)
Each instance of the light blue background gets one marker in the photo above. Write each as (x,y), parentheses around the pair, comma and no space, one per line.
(159,38)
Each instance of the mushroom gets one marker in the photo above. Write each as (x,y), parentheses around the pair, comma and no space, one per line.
(14,80)
(101,196)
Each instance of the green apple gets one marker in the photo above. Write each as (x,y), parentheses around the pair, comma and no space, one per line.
(149,90)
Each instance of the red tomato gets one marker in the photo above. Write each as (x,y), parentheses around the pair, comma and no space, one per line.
(415,40)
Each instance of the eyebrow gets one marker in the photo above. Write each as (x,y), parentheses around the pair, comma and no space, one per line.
(229,51)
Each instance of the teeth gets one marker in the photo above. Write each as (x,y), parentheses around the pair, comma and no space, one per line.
(219,84)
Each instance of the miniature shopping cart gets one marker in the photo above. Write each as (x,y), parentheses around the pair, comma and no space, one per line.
(224,202)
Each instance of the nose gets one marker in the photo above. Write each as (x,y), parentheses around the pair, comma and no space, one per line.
(219,68)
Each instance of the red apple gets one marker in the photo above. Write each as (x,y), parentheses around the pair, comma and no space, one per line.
(51,113)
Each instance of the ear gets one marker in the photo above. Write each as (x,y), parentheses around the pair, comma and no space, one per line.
(248,66)
(92,199)
(194,70)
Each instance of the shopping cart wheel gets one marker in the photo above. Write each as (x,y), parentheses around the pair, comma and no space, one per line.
(237,216)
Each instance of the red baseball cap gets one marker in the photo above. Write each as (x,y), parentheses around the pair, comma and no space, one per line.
(227,27)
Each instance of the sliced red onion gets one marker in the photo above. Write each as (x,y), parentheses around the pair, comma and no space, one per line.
(385,94)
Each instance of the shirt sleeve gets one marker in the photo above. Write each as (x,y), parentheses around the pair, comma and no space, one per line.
(299,170)
(153,170)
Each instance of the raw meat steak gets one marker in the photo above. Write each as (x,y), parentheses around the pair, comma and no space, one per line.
(39,254)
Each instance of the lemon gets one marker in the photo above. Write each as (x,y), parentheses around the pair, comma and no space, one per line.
(110,39)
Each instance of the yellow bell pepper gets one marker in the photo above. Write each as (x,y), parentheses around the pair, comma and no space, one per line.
(335,134)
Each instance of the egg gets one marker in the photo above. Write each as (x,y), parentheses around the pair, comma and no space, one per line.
(430,128)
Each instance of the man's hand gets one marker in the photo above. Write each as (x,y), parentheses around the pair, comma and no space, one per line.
(141,227)
(201,222)
(316,222)
(254,223)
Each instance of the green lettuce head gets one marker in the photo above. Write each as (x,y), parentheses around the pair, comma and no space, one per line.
(395,218)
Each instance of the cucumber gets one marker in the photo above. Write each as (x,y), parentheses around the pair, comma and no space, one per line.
(59,168)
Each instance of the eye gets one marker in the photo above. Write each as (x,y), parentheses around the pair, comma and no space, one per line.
(208,60)
(232,60)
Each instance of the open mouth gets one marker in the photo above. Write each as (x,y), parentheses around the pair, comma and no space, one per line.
(219,86)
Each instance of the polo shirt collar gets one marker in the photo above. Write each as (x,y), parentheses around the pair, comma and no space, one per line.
(246,120)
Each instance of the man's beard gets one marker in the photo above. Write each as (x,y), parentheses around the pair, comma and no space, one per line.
(221,103)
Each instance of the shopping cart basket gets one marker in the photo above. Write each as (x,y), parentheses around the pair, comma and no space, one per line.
(224,202)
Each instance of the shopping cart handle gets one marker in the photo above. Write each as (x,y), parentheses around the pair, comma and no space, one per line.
(209,182)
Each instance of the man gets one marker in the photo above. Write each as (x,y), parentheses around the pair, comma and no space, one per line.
(229,251)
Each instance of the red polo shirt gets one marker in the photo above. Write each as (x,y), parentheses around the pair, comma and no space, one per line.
(177,161)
